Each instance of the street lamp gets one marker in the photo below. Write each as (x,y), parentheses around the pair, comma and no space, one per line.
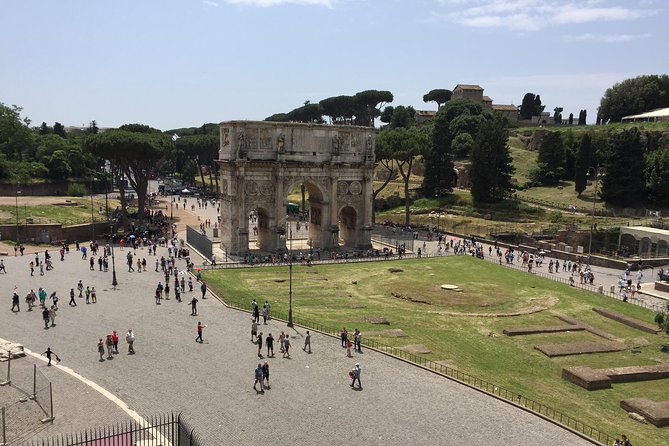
(597,172)
(111,230)
(18,192)
(290,276)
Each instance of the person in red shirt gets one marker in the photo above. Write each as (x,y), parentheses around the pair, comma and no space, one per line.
(115,341)
(200,328)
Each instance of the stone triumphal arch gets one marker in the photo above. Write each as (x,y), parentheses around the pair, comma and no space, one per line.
(260,163)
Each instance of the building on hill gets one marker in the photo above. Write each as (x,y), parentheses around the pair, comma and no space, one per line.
(510,111)
(487,102)
(422,116)
(471,92)
(660,114)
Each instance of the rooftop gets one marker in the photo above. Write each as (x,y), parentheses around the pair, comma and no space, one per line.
(468,87)
(504,107)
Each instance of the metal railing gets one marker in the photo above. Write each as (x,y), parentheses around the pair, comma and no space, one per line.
(474,382)
(162,430)
(16,420)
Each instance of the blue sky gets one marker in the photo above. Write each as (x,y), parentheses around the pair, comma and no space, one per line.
(178,63)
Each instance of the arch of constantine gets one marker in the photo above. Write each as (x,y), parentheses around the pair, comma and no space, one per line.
(261,162)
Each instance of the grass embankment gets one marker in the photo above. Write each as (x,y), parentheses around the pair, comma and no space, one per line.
(326,294)
(77,211)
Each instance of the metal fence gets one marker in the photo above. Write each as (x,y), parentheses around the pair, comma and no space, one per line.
(199,242)
(19,417)
(162,430)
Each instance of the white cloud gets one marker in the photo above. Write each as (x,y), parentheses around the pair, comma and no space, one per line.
(532,15)
(606,38)
(210,3)
(266,3)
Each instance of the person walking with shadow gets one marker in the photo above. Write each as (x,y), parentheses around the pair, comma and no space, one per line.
(193,305)
(355,376)
(307,342)
(259,379)
(101,349)
(200,329)
(130,339)
(48,354)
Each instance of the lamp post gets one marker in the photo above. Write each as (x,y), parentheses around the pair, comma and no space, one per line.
(18,191)
(290,276)
(597,172)
(114,281)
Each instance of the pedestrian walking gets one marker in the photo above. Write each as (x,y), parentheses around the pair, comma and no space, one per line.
(94,296)
(46,317)
(2,267)
(200,329)
(130,339)
(349,344)
(101,349)
(52,314)
(357,341)
(110,346)
(286,346)
(259,378)
(265,374)
(54,298)
(203,288)
(41,292)
(307,342)
(80,287)
(32,268)
(15,300)
(193,306)
(30,299)
(48,353)
(259,342)
(114,337)
(264,315)
(269,341)
(72,302)
(343,335)
(88,294)
(354,374)
(254,329)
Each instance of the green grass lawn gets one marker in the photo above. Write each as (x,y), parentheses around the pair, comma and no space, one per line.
(326,294)
(78,213)
(523,160)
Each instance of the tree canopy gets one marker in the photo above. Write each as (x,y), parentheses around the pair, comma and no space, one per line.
(551,160)
(531,106)
(492,166)
(625,174)
(440,96)
(633,96)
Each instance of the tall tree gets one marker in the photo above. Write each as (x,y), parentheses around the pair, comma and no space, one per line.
(404,145)
(492,165)
(634,96)
(369,103)
(657,177)
(59,130)
(92,128)
(584,159)
(551,160)
(44,129)
(440,96)
(557,115)
(527,106)
(135,149)
(340,109)
(16,138)
(202,149)
(538,108)
(625,180)
(571,118)
(438,176)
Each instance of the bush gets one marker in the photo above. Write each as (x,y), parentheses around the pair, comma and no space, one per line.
(76,190)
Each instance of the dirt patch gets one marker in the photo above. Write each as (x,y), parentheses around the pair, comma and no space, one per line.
(374,320)
(629,321)
(410,299)
(579,348)
(393,333)
(538,330)
(417,349)
(395,270)
(521,312)
(356,305)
